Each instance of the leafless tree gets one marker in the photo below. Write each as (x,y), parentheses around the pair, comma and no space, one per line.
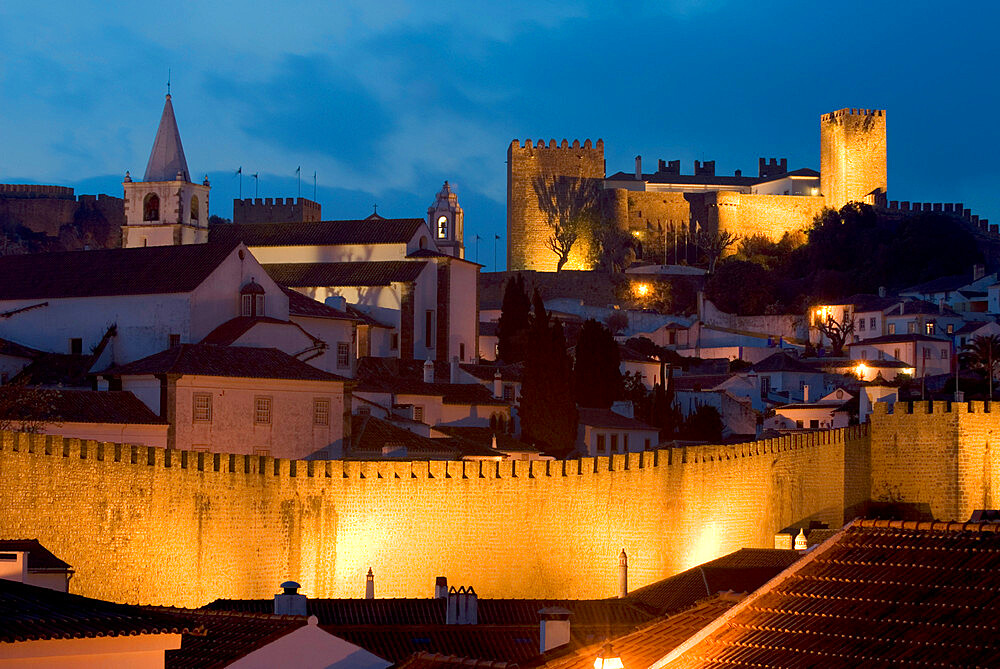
(714,244)
(570,206)
(25,409)
(837,332)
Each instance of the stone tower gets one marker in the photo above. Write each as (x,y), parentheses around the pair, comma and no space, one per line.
(527,225)
(445,219)
(166,207)
(852,155)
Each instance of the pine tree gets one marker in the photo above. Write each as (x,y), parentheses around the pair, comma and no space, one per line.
(597,375)
(515,321)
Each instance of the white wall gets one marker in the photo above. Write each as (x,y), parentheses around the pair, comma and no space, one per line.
(142,435)
(587,440)
(310,647)
(144,651)
(464,326)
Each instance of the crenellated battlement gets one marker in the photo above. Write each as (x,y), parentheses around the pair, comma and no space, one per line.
(276,210)
(565,144)
(851,112)
(955,209)
(32,191)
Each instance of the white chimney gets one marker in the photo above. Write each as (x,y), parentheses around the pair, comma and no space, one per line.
(941,305)
(440,587)
(290,602)
(14,566)
(370,585)
(800,540)
(554,627)
(463,607)
(623,574)
(881,291)
(638,168)
(497,385)
(805,394)
(454,369)
(429,371)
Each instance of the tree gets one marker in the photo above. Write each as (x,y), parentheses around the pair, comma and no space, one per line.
(515,321)
(983,355)
(547,409)
(714,244)
(596,373)
(741,287)
(570,205)
(837,332)
(617,322)
(704,424)
(25,409)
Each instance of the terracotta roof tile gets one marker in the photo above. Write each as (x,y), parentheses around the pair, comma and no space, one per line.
(74,406)
(301,305)
(361,273)
(609,419)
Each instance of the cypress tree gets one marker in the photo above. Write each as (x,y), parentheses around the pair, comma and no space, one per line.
(515,321)
(597,375)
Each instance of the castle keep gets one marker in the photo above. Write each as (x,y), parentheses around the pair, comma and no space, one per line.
(656,206)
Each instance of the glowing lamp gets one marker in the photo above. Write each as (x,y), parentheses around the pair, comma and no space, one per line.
(608,659)
(635,233)
(910,371)
(815,191)
(642,289)
(861,370)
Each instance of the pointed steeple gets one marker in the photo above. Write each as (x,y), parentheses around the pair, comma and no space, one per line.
(167,160)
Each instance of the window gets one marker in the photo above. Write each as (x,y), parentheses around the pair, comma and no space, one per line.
(429,329)
(799,424)
(861,325)
(442,227)
(247,307)
(864,354)
(394,341)
(343,355)
(508,392)
(647,443)
(194,207)
(262,411)
(76,346)
(671,338)
(872,324)
(951,328)
(765,385)
(173,340)
(461,352)
(911,327)
(202,412)
(151,207)
(814,425)
(260,305)
(600,443)
(892,328)
(944,354)
(624,443)
(930,327)
(895,353)
(321,411)
(614,443)
(418,413)
(365,411)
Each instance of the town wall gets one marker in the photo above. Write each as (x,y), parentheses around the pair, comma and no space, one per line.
(149,525)
(276,210)
(47,209)
(527,226)
(769,215)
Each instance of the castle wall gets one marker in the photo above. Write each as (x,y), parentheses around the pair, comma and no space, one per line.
(852,155)
(153,526)
(46,209)
(527,226)
(769,215)
(276,210)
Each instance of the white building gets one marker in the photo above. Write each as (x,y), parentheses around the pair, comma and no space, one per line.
(605,432)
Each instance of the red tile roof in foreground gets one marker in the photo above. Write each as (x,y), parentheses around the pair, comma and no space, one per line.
(31,613)
(424,660)
(880,593)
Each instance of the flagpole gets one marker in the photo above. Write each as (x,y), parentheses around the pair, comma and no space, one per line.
(477,248)
(298,176)
(496,238)
(314,186)
(239,173)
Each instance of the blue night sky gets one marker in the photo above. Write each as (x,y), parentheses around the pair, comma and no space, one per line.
(386,100)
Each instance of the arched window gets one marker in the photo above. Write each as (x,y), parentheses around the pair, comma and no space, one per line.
(151,208)
(252,300)
(423,242)
(194,207)
(442,227)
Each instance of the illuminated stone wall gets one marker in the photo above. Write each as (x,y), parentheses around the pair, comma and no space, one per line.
(852,155)
(769,215)
(169,527)
(527,226)
(941,456)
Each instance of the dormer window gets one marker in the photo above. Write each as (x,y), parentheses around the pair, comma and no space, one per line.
(442,227)
(252,300)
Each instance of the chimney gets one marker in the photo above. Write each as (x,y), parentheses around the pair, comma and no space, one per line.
(800,540)
(428,371)
(370,585)
(554,627)
(290,602)
(454,369)
(638,168)
(14,566)
(805,394)
(463,606)
(739,173)
(881,291)
(497,385)
(623,574)
(440,587)
(941,305)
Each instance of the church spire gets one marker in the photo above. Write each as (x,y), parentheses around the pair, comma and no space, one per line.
(167,157)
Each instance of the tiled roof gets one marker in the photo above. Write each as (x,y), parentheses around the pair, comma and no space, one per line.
(451,393)
(427,253)
(700,381)
(897,339)
(30,613)
(372,435)
(361,273)
(320,233)
(40,558)
(226,637)
(483,437)
(940,285)
(152,270)
(56,369)
(234,328)
(867,302)
(647,644)
(425,660)
(609,419)
(365,318)
(879,594)
(301,305)
(15,350)
(229,361)
(512,372)
(744,570)
(60,405)
(781,362)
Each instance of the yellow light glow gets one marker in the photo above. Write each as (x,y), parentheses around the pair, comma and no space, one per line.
(642,289)
(909,370)
(635,233)
(861,370)
(815,191)
(608,659)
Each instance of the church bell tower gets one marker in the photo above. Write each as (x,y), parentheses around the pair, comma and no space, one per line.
(165,208)
(445,219)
